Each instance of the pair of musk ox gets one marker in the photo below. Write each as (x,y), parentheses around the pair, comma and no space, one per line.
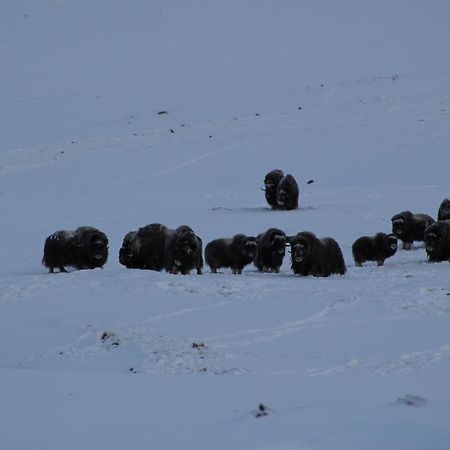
(156,247)
(281,191)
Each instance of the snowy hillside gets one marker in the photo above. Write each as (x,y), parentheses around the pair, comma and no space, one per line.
(117,114)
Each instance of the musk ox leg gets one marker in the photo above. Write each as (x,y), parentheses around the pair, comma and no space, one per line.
(199,271)
(62,269)
(380,262)
(234,271)
(358,264)
(266,269)
(213,270)
(276,270)
(407,245)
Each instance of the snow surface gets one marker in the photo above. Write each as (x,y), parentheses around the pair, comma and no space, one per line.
(352,94)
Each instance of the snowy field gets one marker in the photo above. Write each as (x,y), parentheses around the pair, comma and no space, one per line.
(117,114)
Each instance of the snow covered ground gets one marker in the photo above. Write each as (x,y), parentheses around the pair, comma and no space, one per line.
(352,94)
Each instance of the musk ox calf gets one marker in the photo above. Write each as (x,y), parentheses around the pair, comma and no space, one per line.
(84,248)
(235,252)
(287,193)
(144,248)
(271,181)
(183,251)
(317,257)
(374,248)
(437,241)
(409,227)
(444,210)
(270,250)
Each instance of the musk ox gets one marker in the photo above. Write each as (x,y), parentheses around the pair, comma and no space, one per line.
(409,227)
(183,251)
(271,182)
(287,193)
(84,248)
(437,241)
(444,210)
(374,248)
(235,252)
(270,250)
(144,248)
(317,257)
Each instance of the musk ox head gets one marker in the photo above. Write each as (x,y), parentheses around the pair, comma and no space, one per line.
(127,252)
(278,244)
(302,246)
(401,223)
(437,241)
(287,193)
(185,247)
(93,247)
(272,179)
(391,244)
(250,247)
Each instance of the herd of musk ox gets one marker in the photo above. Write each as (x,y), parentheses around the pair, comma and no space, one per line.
(180,251)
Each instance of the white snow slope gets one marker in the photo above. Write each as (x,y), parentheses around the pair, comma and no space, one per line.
(353,94)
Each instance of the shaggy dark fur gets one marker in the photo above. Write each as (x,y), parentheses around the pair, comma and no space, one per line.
(183,251)
(444,210)
(144,248)
(374,248)
(84,248)
(235,252)
(437,241)
(271,182)
(287,193)
(317,257)
(409,227)
(270,251)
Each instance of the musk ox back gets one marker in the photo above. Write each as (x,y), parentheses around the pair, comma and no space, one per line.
(374,248)
(84,248)
(437,241)
(271,181)
(270,250)
(183,251)
(317,257)
(287,193)
(409,227)
(144,248)
(444,210)
(235,252)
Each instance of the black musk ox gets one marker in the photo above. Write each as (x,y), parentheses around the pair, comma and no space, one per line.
(437,241)
(183,251)
(317,257)
(444,210)
(144,248)
(271,182)
(409,227)
(156,247)
(374,248)
(235,253)
(84,248)
(270,250)
(287,193)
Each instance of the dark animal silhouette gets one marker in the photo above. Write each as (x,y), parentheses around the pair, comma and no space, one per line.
(374,248)
(444,210)
(144,248)
(183,251)
(287,193)
(437,241)
(235,252)
(271,182)
(409,227)
(317,257)
(84,248)
(270,250)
